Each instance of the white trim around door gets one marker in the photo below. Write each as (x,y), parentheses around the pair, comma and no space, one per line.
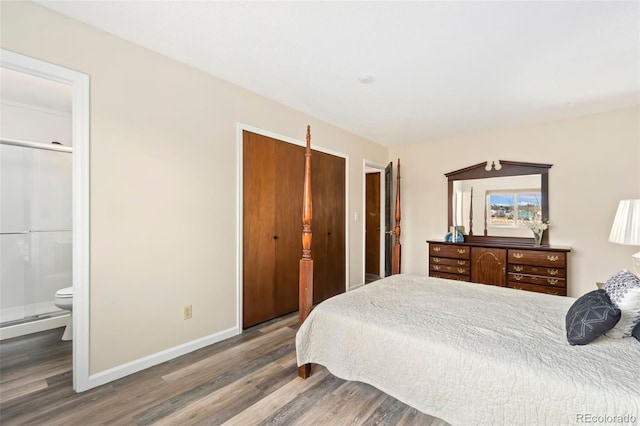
(371,166)
(80,164)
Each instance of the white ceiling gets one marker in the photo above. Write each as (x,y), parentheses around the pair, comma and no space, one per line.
(440,68)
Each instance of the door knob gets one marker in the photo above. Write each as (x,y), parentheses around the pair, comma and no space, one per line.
(390,232)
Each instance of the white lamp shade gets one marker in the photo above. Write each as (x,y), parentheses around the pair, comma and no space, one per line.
(626,225)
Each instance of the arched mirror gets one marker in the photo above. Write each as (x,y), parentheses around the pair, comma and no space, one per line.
(495,204)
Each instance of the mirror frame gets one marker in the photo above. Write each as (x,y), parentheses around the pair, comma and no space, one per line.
(508,168)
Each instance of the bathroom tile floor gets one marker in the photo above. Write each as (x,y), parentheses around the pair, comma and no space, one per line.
(248,379)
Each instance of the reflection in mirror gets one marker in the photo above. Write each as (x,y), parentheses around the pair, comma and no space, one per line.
(495,204)
(506,203)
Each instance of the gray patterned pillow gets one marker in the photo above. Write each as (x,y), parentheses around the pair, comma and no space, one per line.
(590,316)
(624,291)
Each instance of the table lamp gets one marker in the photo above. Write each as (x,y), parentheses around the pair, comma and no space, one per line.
(626,228)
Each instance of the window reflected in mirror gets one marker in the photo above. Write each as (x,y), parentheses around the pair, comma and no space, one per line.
(505,203)
(514,208)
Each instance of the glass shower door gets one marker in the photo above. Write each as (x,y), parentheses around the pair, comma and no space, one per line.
(35,231)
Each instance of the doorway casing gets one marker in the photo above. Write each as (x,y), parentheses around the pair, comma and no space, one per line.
(80,210)
(373,167)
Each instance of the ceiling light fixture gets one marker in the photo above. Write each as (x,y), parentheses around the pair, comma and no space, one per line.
(365,78)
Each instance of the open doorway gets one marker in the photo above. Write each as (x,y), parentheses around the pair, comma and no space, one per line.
(377,221)
(35,202)
(79,134)
(372,225)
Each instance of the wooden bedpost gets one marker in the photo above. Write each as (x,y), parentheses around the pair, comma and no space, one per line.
(471,213)
(305,291)
(397,248)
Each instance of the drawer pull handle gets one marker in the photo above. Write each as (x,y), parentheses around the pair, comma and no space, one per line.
(552,258)
(462,251)
(436,267)
(552,281)
(436,260)
(436,249)
(517,277)
(517,288)
(553,292)
(518,255)
(461,262)
(518,268)
(552,271)
(461,270)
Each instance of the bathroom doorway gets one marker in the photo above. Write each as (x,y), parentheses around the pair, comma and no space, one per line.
(45,240)
(377,221)
(35,201)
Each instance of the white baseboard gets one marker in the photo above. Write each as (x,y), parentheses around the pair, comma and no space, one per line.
(149,361)
(33,327)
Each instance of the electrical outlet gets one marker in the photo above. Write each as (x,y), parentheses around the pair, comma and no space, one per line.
(188,313)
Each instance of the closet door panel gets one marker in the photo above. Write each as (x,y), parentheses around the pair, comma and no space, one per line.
(288,217)
(259,213)
(337,216)
(328,248)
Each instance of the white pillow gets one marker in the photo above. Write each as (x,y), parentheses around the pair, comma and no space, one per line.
(624,291)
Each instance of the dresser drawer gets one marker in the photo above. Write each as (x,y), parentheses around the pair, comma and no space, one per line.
(449,269)
(449,276)
(536,279)
(548,271)
(537,258)
(451,262)
(558,291)
(449,250)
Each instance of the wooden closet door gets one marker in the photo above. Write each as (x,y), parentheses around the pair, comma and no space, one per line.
(259,218)
(328,246)
(288,219)
(273,174)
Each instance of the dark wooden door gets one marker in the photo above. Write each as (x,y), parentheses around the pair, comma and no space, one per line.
(288,224)
(272,207)
(272,226)
(388,171)
(259,218)
(328,225)
(489,266)
(372,224)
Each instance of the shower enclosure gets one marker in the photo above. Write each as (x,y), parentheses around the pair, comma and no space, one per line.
(35,229)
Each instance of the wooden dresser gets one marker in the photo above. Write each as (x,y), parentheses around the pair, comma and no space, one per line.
(539,269)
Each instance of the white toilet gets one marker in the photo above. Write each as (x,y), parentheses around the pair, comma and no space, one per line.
(64,300)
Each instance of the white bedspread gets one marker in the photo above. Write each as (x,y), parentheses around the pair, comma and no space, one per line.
(473,354)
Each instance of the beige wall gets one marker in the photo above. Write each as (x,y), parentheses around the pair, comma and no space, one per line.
(163,183)
(164,194)
(596,163)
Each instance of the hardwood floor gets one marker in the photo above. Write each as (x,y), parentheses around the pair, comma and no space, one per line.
(369,278)
(250,379)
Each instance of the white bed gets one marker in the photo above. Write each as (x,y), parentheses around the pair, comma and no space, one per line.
(472,354)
